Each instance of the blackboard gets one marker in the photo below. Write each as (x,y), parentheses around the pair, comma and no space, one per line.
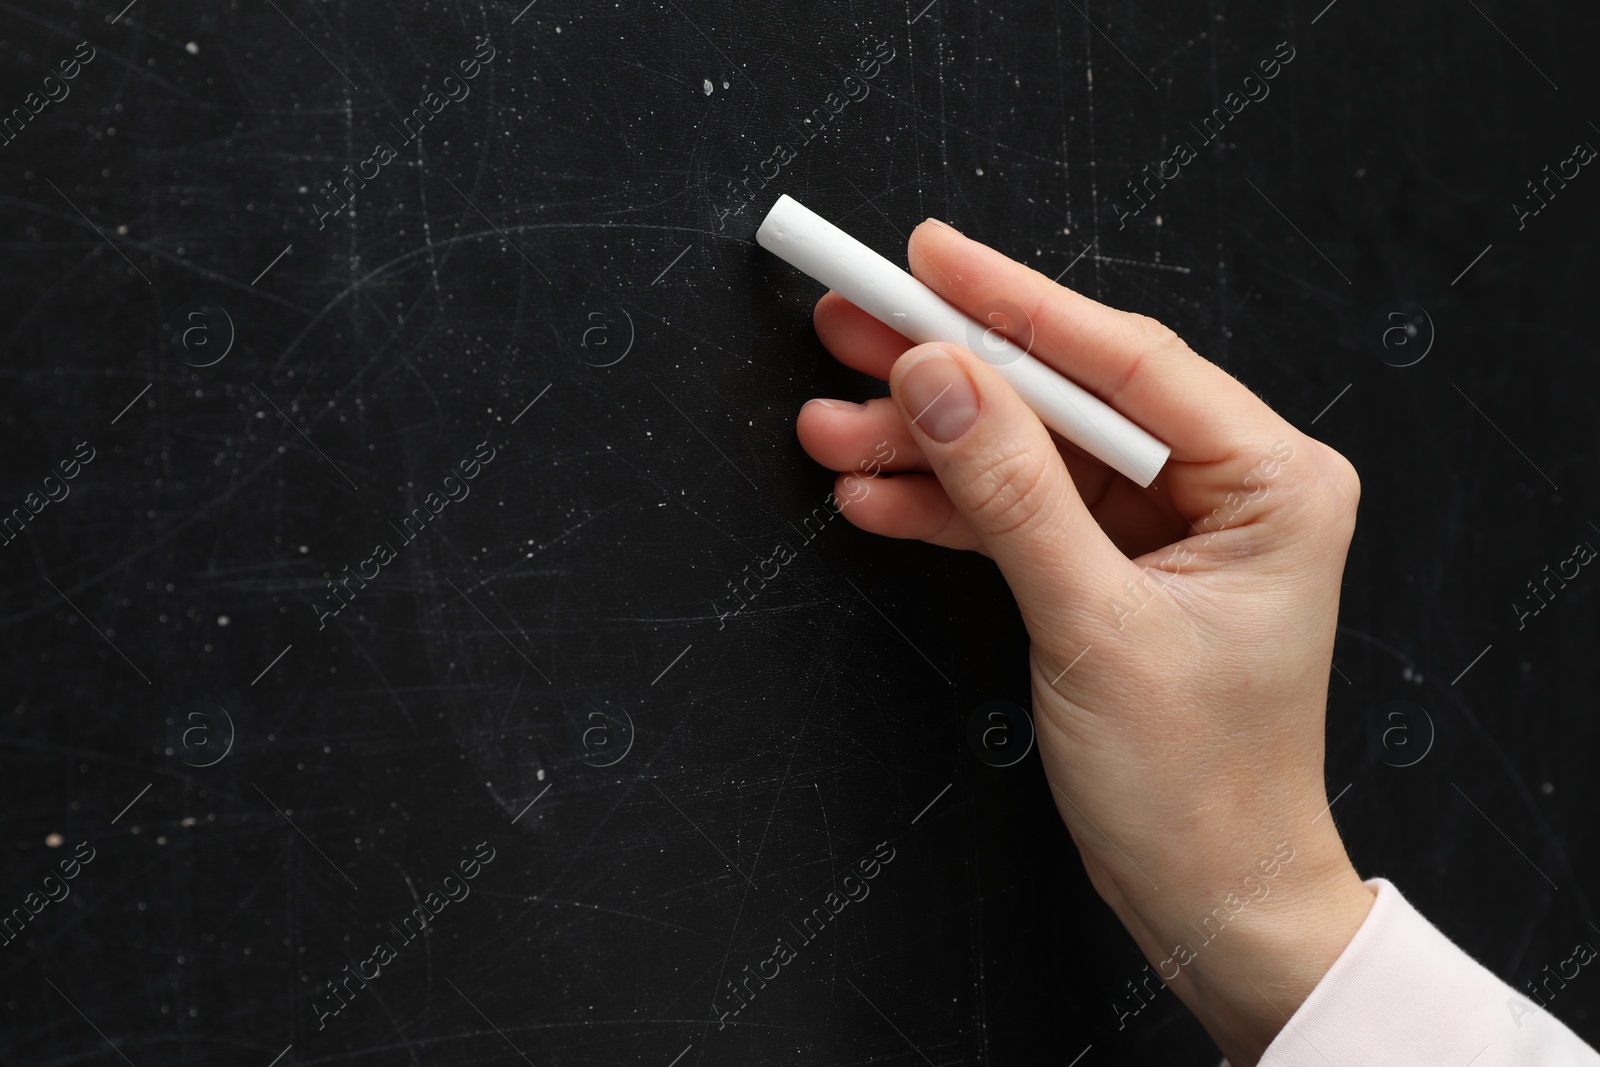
(396,391)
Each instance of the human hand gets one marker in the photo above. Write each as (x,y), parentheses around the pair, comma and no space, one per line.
(1180,635)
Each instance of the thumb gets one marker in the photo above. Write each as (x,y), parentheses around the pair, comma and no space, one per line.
(1003,473)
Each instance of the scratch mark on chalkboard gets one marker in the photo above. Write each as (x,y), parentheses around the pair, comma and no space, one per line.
(313,44)
(1113,44)
(541,898)
(484,585)
(1141,263)
(738,69)
(501,632)
(766,829)
(405,1042)
(732,866)
(897,229)
(498,230)
(985,137)
(980,950)
(826,830)
(1094,149)
(361,650)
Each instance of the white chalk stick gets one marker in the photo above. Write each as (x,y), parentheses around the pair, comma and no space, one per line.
(810,242)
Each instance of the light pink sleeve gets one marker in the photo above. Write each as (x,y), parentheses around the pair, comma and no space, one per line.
(1402,993)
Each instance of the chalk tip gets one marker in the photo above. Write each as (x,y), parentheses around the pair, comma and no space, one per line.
(768,232)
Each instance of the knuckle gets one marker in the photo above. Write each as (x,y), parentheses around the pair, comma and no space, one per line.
(1147,337)
(1343,481)
(1154,334)
(1337,488)
(1010,493)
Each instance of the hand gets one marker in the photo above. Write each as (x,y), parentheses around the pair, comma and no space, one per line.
(1181,634)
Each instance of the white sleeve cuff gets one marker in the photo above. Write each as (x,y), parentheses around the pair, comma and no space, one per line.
(1404,995)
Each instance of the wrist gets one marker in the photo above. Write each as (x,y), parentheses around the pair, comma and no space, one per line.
(1245,994)
(1243,954)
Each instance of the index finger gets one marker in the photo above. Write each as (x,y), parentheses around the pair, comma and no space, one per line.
(1130,361)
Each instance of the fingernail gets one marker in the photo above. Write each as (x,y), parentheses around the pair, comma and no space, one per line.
(942,223)
(837,405)
(940,396)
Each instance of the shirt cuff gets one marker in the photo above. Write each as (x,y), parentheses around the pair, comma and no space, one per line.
(1402,994)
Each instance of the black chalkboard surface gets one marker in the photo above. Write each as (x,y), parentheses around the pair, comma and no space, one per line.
(396,396)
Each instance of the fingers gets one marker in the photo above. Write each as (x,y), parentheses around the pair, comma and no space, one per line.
(844,436)
(909,506)
(1135,364)
(1003,475)
(862,441)
(873,437)
(856,339)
